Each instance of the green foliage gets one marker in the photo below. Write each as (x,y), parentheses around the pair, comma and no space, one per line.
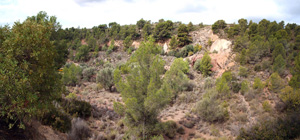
(169,128)
(92,43)
(29,78)
(141,23)
(220,24)
(241,43)
(291,97)
(258,85)
(143,91)
(88,73)
(266,106)
(173,42)
(243,71)
(71,96)
(295,80)
(82,53)
(279,65)
(197,48)
(281,128)
(176,77)
(210,109)
(190,27)
(163,30)
(57,119)
(111,48)
(127,42)
(146,30)
(276,83)
(243,59)
(279,49)
(105,77)
(77,108)
(222,86)
(244,87)
(72,75)
(205,65)
(183,38)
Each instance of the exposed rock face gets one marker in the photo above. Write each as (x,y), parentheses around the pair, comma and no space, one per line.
(221,46)
(165,47)
(203,35)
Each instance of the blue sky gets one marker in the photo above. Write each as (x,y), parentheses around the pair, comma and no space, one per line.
(89,13)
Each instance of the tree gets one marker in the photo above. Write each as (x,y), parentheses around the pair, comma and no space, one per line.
(220,24)
(243,24)
(205,65)
(163,30)
(146,30)
(183,37)
(92,43)
(190,27)
(127,42)
(82,53)
(29,79)
(72,75)
(243,59)
(258,85)
(173,42)
(143,92)
(276,83)
(141,23)
(295,80)
(290,97)
(279,49)
(176,76)
(279,65)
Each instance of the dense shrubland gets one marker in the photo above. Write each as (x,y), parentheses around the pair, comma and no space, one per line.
(32,87)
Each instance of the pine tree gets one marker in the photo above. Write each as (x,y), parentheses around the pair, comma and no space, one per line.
(295,81)
(183,37)
(279,65)
(143,91)
(173,42)
(205,65)
(279,49)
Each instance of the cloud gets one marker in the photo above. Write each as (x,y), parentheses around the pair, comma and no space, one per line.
(86,2)
(193,8)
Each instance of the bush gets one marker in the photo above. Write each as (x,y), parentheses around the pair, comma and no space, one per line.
(209,83)
(257,67)
(88,73)
(72,75)
(205,65)
(281,128)
(266,64)
(258,85)
(243,71)
(57,119)
(77,108)
(220,24)
(169,128)
(222,86)
(244,87)
(105,77)
(235,86)
(82,53)
(210,109)
(275,83)
(279,65)
(197,48)
(80,130)
(266,106)
(197,64)
(291,97)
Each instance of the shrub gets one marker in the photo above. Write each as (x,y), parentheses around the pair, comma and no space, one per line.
(82,53)
(77,108)
(281,128)
(243,71)
(257,67)
(208,83)
(266,106)
(266,64)
(210,109)
(71,96)
(275,83)
(105,77)
(72,75)
(169,128)
(279,65)
(57,119)
(291,97)
(197,64)
(197,48)
(258,85)
(220,24)
(244,87)
(80,130)
(88,73)
(205,65)
(235,86)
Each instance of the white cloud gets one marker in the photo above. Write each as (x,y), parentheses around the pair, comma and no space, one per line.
(88,13)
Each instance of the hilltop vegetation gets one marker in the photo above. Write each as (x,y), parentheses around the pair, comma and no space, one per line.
(171,86)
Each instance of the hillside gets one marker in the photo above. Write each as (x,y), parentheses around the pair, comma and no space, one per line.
(164,80)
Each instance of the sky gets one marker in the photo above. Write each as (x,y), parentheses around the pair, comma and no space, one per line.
(89,13)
